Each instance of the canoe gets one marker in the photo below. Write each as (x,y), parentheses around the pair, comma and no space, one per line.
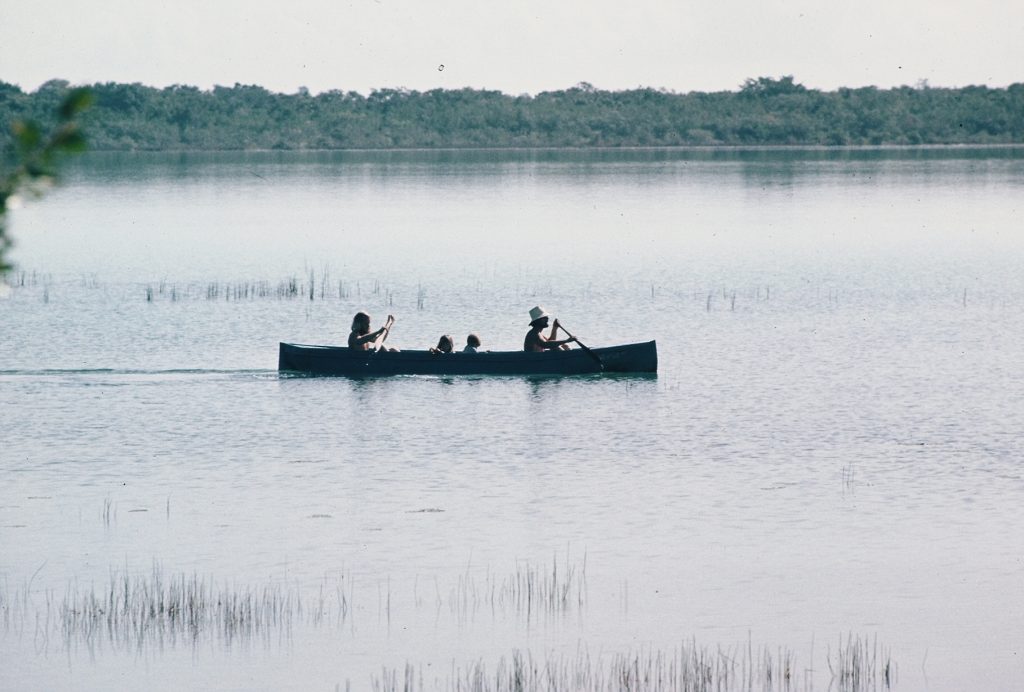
(340,360)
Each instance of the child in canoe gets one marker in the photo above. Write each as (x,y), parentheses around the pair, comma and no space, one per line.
(472,344)
(444,345)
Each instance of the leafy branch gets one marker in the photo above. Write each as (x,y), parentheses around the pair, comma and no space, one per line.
(30,165)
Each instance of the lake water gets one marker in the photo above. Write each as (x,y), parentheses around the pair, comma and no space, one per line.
(831,449)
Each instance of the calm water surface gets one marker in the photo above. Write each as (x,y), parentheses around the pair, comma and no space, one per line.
(832,444)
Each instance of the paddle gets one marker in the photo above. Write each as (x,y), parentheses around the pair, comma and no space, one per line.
(379,341)
(582,346)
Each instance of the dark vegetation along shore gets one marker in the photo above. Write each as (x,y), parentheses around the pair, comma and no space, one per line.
(763,111)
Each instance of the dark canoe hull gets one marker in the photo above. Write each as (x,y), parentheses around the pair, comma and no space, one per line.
(339,360)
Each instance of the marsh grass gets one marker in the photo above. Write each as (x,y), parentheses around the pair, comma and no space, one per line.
(687,668)
(133,611)
(531,591)
(109,513)
(312,285)
(156,608)
(858,663)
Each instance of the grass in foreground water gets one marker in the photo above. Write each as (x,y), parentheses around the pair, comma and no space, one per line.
(860,666)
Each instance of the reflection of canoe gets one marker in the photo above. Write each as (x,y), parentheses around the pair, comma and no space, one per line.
(339,360)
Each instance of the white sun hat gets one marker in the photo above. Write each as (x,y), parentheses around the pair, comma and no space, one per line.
(537,313)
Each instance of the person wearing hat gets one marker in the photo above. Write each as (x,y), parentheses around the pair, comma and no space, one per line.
(535,341)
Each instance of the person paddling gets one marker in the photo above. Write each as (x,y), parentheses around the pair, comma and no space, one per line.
(361,338)
(535,341)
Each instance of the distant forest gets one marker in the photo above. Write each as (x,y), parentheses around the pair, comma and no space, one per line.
(763,111)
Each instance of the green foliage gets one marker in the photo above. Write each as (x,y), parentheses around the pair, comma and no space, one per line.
(766,86)
(33,152)
(764,111)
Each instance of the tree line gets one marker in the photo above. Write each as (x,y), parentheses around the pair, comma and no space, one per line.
(763,111)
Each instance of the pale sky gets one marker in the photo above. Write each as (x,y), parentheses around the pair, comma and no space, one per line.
(515,46)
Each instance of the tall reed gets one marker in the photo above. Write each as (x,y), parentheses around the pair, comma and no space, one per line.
(687,668)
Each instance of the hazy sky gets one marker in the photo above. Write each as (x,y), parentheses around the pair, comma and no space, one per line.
(514,46)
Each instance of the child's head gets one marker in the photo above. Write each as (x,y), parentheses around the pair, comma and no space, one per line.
(473,340)
(445,344)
